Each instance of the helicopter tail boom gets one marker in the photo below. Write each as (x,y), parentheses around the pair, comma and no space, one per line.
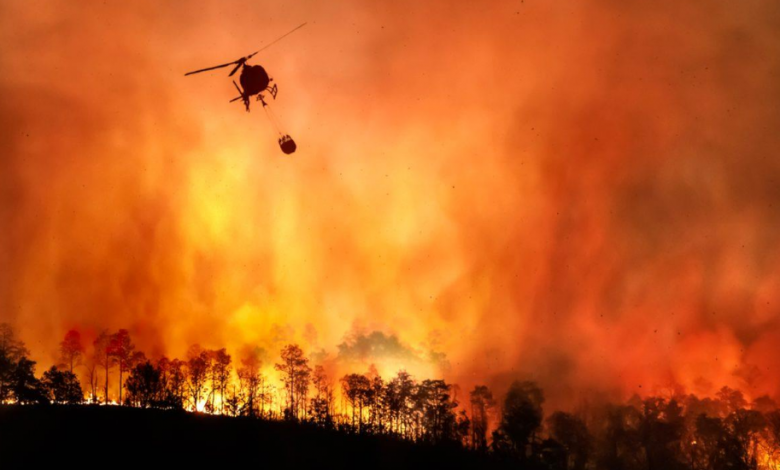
(242,97)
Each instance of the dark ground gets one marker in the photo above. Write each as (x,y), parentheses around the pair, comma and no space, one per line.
(111,437)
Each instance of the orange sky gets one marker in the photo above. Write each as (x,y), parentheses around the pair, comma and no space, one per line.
(582,193)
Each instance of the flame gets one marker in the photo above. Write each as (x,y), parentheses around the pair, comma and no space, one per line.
(558,192)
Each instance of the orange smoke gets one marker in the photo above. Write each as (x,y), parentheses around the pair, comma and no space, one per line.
(585,195)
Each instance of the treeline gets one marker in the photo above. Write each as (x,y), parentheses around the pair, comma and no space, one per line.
(670,433)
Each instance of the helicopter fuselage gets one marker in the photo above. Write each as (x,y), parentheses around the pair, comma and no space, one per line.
(254,79)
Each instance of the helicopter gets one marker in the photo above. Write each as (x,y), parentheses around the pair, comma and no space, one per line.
(254,82)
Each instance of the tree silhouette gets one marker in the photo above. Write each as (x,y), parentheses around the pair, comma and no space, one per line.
(322,402)
(220,375)
(62,387)
(197,373)
(572,433)
(103,357)
(522,416)
(251,384)
(376,404)
(771,445)
(71,349)
(355,388)
(619,438)
(764,404)
(730,400)
(482,403)
(121,351)
(296,375)
(92,368)
(673,433)
(173,374)
(12,351)
(660,430)
(25,387)
(11,346)
(71,352)
(746,426)
(233,402)
(144,385)
(399,399)
(17,371)
(462,428)
(6,370)
(437,406)
(712,442)
(732,442)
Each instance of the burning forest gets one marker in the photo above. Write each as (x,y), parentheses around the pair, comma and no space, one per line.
(546,234)
(676,431)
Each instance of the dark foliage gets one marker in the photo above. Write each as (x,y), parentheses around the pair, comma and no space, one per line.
(151,438)
(62,387)
(521,420)
(380,423)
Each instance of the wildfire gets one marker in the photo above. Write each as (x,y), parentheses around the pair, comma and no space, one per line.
(552,202)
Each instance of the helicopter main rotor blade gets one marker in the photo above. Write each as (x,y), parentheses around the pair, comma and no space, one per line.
(240,63)
(242,60)
(278,39)
(211,68)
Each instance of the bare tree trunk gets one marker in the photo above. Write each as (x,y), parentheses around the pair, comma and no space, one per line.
(93,384)
(105,398)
